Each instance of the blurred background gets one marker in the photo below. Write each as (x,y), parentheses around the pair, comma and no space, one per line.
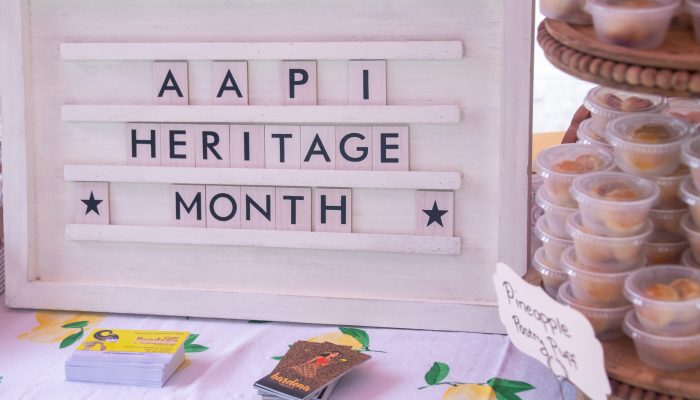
(556,96)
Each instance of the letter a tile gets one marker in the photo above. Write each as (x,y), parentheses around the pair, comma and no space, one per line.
(170,85)
(318,147)
(229,82)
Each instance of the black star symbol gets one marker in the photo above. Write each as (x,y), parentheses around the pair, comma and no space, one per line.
(92,204)
(435,215)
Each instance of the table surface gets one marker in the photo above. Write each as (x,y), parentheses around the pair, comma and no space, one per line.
(233,354)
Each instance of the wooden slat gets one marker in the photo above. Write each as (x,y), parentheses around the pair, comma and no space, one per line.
(399,50)
(184,301)
(515,136)
(15,106)
(263,114)
(266,238)
(264,177)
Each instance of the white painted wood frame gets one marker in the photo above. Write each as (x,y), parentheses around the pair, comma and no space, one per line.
(265,114)
(307,50)
(265,177)
(476,106)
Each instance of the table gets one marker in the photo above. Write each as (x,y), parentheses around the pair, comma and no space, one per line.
(233,354)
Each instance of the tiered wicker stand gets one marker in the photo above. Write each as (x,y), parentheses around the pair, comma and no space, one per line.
(671,70)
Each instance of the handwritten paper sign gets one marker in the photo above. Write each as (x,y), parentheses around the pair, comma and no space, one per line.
(557,336)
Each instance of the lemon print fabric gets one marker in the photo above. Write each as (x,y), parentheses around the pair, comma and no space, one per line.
(469,391)
(338,338)
(356,338)
(493,389)
(57,326)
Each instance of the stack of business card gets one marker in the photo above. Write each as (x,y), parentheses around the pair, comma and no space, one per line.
(131,357)
(309,371)
(2,268)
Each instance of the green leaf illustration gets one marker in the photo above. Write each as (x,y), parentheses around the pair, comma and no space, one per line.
(191,347)
(70,339)
(191,338)
(277,358)
(506,389)
(76,324)
(358,334)
(257,321)
(437,373)
(507,396)
(195,348)
(508,385)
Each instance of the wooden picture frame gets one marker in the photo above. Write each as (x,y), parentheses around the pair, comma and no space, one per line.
(69,90)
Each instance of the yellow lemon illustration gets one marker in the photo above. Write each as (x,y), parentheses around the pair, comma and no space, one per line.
(50,328)
(338,338)
(470,391)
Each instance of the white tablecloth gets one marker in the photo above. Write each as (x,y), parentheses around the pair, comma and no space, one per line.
(240,352)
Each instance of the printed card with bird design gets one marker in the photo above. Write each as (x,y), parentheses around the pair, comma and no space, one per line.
(307,367)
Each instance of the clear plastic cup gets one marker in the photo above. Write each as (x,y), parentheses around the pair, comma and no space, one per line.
(684,108)
(661,307)
(629,23)
(559,165)
(669,187)
(553,246)
(600,289)
(690,156)
(662,352)
(693,8)
(647,145)
(555,214)
(570,11)
(586,135)
(606,322)
(692,233)
(664,247)
(606,104)
(688,260)
(552,277)
(599,253)
(691,196)
(668,220)
(614,203)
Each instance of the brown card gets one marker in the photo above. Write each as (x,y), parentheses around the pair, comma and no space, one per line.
(308,367)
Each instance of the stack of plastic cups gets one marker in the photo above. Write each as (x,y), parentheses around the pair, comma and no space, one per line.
(665,322)
(649,146)
(609,232)
(689,193)
(558,166)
